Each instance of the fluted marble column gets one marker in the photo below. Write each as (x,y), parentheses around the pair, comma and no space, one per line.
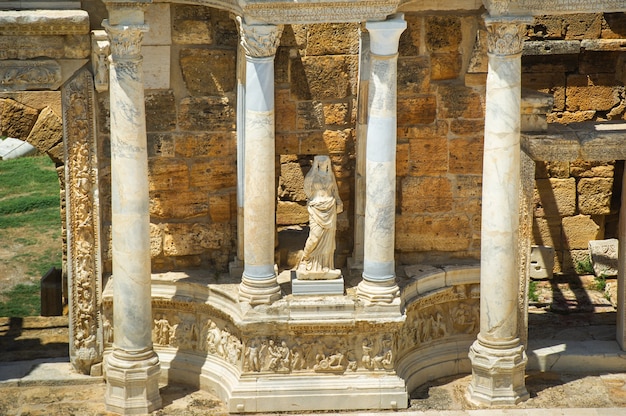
(132,368)
(378,284)
(498,357)
(258,282)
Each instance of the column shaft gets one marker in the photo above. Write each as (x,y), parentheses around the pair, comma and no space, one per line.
(132,367)
(498,358)
(378,283)
(259,283)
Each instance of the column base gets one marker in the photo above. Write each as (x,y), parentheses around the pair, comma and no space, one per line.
(497,374)
(132,383)
(378,292)
(258,292)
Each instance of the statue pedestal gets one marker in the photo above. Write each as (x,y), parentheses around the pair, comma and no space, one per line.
(316,287)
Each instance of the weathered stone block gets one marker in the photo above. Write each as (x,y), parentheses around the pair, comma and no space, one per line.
(168,174)
(325,77)
(549,83)
(46,133)
(16,120)
(156,240)
(417,110)
(223,207)
(413,75)
(411,38)
(598,92)
(338,141)
(287,143)
(285,111)
(464,127)
(336,114)
(592,62)
(179,204)
(207,113)
(309,115)
(445,66)
(428,155)
(312,144)
(555,197)
(568,117)
(333,39)
(213,236)
(547,232)
(207,145)
(571,258)
(591,169)
(156,67)
(544,170)
(208,71)
(191,24)
(426,194)
(181,239)
(466,155)
(547,64)
(160,111)
(613,26)
(291,182)
(580,229)
(468,186)
(225,33)
(443,33)
(215,174)
(594,195)
(547,27)
(458,101)
(161,145)
(289,212)
(541,262)
(582,25)
(402,159)
(448,232)
(604,256)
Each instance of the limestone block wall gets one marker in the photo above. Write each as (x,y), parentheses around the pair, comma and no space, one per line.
(440,141)
(577,202)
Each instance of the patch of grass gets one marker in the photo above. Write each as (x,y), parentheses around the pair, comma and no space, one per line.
(599,283)
(532,291)
(584,266)
(22,300)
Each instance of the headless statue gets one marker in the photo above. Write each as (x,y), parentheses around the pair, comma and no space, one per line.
(317,261)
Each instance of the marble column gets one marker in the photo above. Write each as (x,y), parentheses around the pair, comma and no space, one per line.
(132,368)
(497,356)
(378,284)
(258,282)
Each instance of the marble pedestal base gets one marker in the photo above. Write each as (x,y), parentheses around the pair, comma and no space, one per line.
(497,375)
(132,385)
(257,291)
(317,287)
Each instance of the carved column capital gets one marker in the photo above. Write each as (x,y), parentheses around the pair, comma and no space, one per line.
(505,35)
(125,40)
(259,40)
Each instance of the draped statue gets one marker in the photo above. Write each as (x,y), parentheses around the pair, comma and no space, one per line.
(320,187)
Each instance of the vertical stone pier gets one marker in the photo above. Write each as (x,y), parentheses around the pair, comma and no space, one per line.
(378,284)
(132,368)
(498,357)
(258,282)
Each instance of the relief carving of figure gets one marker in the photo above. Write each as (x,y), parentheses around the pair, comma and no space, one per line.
(324,204)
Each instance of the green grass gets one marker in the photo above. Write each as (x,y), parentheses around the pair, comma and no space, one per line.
(30,227)
(22,300)
(532,291)
(599,283)
(584,266)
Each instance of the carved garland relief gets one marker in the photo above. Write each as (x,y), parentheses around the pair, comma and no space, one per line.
(83,229)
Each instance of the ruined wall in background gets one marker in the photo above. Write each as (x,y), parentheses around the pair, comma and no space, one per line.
(579,201)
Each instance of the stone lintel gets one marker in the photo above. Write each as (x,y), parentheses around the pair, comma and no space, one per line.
(39,4)
(44,22)
(551,47)
(587,141)
(604,45)
(542,7)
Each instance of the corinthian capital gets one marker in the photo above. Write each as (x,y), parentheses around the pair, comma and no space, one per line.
(259,40)
(505,35)
(125,40)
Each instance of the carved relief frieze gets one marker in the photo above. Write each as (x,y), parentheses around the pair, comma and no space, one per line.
(505,37)
(83,224)
(320,12)
(259,40)
(447,313)
(319,354)
(18,75)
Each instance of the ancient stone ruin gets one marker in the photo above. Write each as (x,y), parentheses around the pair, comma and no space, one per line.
(456,135)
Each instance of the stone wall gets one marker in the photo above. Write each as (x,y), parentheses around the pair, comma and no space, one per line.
(577,202)
(441,69)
